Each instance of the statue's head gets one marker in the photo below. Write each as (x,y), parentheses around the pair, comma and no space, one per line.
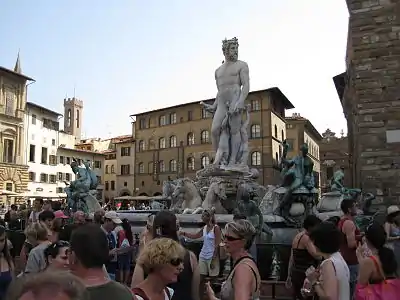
(230,49)
(304,149)
(74,165)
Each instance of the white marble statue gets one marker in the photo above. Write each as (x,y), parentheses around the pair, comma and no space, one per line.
(232,79)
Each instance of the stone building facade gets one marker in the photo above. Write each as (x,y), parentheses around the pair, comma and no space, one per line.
(13,94)
(300,130)
(370,97)
(175,142)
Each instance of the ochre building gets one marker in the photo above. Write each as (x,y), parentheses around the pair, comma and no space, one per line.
(13,94)
(175,142)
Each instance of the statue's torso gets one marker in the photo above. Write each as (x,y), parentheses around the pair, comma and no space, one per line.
(228,75)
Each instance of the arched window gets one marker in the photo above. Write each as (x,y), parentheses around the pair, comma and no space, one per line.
(172,141)
(205,137)
(141,168)
(141,146)
(190,138)
(77,118)
(161,166)
(255,105)
(256,158)
(276,131)
(69,116)
(107,169)
(205,161)
(255,131)
(190,163)
(282,135)
(112,169)
(172,165)
(276,157)
(161,143)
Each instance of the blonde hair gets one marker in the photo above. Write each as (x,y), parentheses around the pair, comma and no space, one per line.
(49,284)
(159,252)
(243,229)
(37,231)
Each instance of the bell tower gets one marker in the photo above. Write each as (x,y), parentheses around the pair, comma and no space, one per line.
(73,116)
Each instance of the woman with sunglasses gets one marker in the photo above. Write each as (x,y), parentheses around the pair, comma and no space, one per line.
(162,261)
(56,256)
(187,285)
(6,264)
(243,282)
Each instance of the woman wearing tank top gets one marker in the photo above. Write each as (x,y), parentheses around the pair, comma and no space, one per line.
(243,282)
(304,255)
(331,280)
(208,257)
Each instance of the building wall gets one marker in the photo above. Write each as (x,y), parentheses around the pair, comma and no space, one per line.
(125,175)
(110,176)
(371,97)
(13,94)
(189,119)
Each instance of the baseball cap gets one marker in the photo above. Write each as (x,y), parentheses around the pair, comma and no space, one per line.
(59,214)
(113,216)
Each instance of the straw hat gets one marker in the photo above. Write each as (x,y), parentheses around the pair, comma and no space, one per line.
(392,209)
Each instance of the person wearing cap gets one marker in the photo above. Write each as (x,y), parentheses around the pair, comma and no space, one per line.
(111,220)
(57,225)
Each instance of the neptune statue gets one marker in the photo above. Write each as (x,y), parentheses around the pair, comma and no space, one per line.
(81,193)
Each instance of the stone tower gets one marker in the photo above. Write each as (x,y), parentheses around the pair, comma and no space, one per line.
(73,117)
(371,99)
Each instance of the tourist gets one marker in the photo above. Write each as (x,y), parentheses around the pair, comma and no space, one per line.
(46,218)
(89,251)
(392,229)
(6,264)
(125,241)
(98,216)
(349,244)
(209,256)
(78,220)
(253,249)
(48,286)
(381,258)
(243,281)
(303,256)
(147,234)
(162,261)
(187,285)
(56,256)
(332,278)
(29,244)
(111,220)
(36,260)
(57,225)
(37,209)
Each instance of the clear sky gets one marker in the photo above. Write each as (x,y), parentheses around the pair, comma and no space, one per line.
(128,56)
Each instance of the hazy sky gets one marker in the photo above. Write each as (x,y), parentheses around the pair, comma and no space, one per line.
(124,57)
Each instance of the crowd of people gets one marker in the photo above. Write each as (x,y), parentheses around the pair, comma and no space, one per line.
(334,260)
(91,258)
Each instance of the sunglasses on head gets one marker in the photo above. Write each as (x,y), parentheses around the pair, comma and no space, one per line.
(176,261)
(61,244)
(232,238)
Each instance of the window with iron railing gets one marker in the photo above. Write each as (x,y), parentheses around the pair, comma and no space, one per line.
(8,151)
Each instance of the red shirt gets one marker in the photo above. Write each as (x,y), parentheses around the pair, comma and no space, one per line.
(349,254)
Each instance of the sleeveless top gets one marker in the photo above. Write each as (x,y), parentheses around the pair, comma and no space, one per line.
(207,250)
(227,288)
(302,259)
(342,275)
(349,254)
